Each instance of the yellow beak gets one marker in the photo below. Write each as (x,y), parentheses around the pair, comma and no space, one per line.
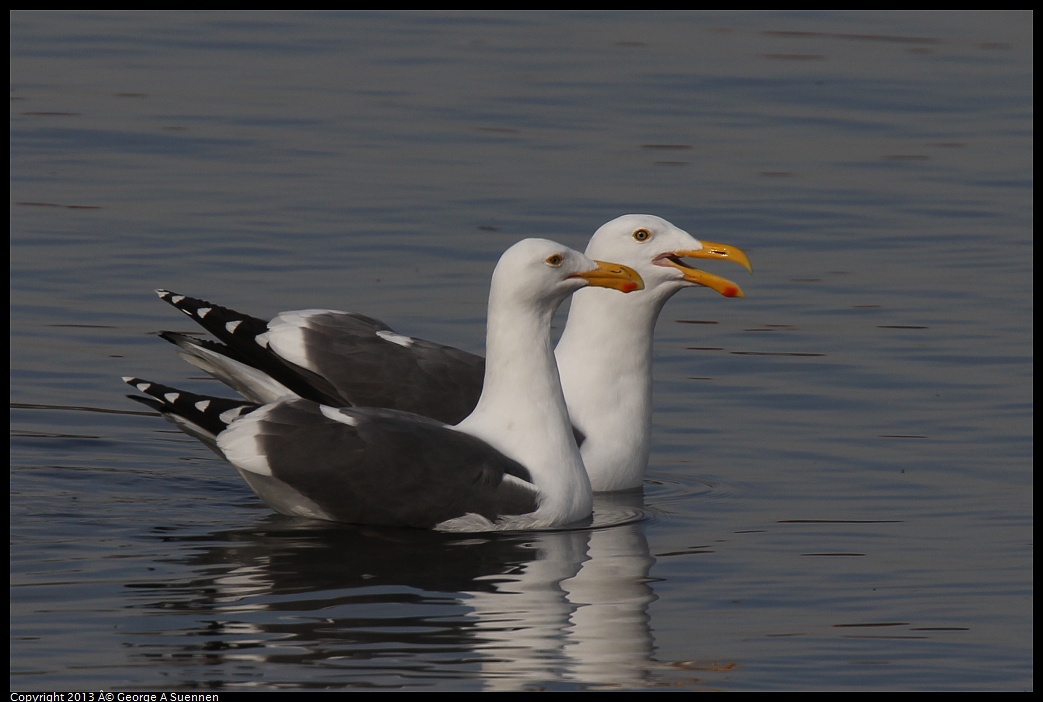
(612,275)
(715,251)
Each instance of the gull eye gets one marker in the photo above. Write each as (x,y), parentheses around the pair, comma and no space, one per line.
(555,260)
(642,235)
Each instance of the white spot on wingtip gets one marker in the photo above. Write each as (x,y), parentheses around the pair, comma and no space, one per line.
(203,405)
(140,385)
(229,416)
(172,397)
(232,326)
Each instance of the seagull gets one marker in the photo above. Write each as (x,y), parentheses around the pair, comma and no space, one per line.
(604,354)
(512,463)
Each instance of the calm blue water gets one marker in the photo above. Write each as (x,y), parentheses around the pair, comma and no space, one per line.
(840,494)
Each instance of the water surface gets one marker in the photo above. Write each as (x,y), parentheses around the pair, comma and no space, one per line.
(839,495)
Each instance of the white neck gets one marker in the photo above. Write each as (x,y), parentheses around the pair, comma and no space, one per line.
(522,411)
(605,358)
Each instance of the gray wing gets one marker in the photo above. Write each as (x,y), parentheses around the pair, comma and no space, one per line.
(369,466)
(369,365)
(334,358)
(359,466)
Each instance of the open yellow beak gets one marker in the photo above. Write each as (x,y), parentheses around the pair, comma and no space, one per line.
(715,251)
(612,275)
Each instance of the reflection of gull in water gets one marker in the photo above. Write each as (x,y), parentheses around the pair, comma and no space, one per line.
(614,642)
(370,607)
(577,614)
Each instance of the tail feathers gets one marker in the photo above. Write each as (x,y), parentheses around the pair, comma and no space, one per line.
(233,328)
(201,416)
(241,358)
(250,380)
